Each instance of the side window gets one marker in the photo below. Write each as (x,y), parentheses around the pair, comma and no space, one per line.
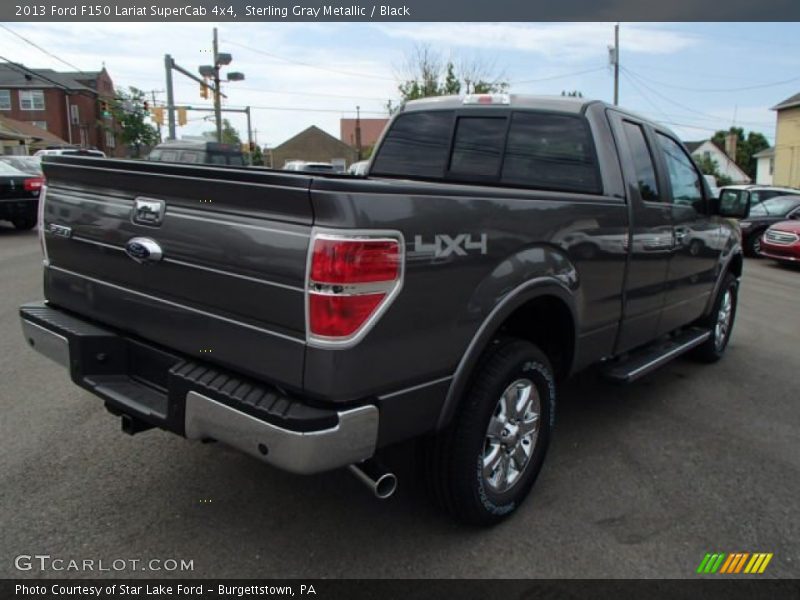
(550,152)
(642,162)
(169,156)
(687,188)
(417,145)
(478,147)
(235,160)
(216,159)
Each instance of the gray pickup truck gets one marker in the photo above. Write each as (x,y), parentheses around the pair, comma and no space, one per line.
(498,245)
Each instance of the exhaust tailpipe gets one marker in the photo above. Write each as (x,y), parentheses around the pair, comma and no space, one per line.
(376,477)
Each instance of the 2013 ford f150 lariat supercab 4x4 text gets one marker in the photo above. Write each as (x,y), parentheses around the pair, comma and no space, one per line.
(497,245)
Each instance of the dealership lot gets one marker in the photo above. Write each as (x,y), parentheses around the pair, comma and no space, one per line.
(641,481)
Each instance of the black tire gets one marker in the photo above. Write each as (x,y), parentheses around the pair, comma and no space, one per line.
(24,223)
(454,459)
(714,348)
(752,244)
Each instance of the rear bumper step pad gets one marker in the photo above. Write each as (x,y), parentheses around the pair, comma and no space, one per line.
(158,388)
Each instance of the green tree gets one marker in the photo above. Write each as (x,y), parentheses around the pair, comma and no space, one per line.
(427,73)
(746,147)
(710,167)
(258,155)
(129,113)
(229,134)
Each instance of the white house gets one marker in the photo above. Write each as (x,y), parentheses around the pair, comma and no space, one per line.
(725,165)
(765,165)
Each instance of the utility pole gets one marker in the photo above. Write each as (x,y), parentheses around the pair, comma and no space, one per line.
(358,132)
(217,104)
(168,65)
(249,137)
(616,64)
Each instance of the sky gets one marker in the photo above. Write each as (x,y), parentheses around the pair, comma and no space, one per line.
(694,77)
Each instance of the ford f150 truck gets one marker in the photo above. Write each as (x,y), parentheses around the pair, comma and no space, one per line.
(498,245)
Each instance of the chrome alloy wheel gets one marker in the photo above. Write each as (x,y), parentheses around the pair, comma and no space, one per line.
(723,325)
(511,435)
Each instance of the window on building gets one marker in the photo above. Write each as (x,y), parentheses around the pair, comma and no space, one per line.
(31,100)
(5,99)
(39,124)
(111,141)
(642,161)
(74,114)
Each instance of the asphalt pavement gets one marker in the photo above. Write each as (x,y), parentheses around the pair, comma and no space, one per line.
(641,481)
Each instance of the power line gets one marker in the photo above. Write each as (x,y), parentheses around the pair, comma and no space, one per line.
(290,108)
(674,102)
(563,76)
(715,90)
(309,65)
(38,47)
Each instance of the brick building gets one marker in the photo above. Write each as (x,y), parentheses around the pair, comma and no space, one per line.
(371,130)
(312,145)
(67,104)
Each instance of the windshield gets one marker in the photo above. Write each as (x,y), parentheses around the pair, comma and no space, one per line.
(779,206)
(7,169)
(27,164)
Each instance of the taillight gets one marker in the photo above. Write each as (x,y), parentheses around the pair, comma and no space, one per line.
(33,184)
(352,279)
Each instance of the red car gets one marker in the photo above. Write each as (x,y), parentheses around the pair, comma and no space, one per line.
(782,242)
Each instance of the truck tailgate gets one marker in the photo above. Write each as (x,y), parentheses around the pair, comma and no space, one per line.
(229,285)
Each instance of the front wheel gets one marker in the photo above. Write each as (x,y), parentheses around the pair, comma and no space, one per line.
(484,464)
(719,321)
(24,223)
(752,245)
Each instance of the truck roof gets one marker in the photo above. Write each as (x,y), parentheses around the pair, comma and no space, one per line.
(558,103)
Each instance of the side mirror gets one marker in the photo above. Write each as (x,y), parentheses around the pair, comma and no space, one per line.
(734,206)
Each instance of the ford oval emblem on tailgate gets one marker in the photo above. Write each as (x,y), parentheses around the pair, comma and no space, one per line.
(143,249)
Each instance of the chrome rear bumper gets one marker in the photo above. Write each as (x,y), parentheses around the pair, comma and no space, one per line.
(292,435)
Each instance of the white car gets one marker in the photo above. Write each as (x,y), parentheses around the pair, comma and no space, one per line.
(71,152)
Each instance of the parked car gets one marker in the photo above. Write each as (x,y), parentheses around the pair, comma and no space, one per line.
(19,196)
(32,165)
(70,152)
(359,169)
(764,214)
(309,167)
(185,151)
(781,241)
(753,194)
(311,320)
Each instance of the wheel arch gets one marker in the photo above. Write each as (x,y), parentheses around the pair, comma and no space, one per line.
(547,293)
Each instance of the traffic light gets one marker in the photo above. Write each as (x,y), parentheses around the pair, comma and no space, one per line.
(204,91)
(182,120)
(252,147)
(146,106)
(104,109)
(158,114)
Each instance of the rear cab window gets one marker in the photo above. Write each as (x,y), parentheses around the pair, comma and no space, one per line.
(516,148)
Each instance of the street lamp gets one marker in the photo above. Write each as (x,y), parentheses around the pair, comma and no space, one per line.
(221,59)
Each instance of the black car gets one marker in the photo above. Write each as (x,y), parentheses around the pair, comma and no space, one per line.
(19,196)
(764,214)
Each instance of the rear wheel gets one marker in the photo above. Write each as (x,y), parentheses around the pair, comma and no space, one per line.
(719,321)
(484,464)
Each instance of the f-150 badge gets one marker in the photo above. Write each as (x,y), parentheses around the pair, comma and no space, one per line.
(444,245)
